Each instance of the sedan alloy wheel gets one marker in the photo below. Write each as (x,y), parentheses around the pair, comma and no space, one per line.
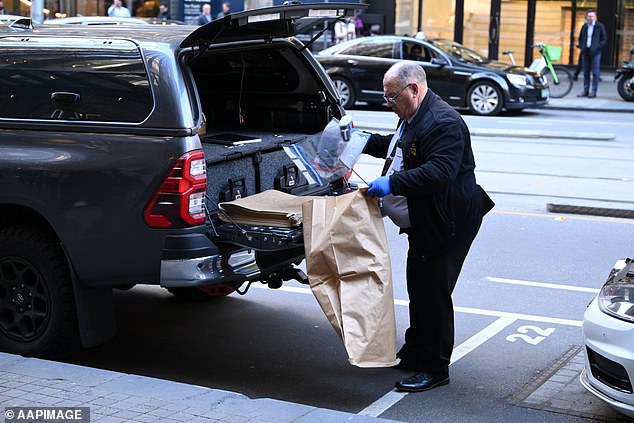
(485,99)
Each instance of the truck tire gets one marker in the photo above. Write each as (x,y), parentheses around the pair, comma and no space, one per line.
(37,306)
(202,293)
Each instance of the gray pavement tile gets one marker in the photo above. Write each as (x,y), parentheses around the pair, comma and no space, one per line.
(175,407)
(103,401)
(154,388)
(44,391)
(126,414)
(264,408)
(115,396)
(232,418)
(320,415)
(44,369)
(205,420)
(12,383)
(7,360)
(145,418)
(159,412)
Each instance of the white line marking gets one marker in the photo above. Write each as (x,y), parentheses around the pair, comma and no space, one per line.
(480,338)
(390,399)
(457,309)
(383,404)
(542,284)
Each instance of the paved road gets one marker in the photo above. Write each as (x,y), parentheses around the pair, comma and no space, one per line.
(519,302)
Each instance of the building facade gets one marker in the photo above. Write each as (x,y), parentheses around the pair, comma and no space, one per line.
(488,26)
(494,26)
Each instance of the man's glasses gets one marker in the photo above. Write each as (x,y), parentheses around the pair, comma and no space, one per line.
(392,100)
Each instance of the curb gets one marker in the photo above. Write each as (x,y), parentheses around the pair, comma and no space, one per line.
(587,109)
(593,211)
(518,133)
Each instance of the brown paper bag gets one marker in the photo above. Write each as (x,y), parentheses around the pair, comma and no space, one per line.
(348,266)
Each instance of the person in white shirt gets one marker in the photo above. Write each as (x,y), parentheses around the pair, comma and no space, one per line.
(118,10)
(344,30)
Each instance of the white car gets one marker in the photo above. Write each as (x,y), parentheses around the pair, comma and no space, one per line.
(608,333)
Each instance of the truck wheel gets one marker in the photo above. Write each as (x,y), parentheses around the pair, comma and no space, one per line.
(37,307)
(202,293)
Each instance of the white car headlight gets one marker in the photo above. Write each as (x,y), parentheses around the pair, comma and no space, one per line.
(617,295)
(517,80)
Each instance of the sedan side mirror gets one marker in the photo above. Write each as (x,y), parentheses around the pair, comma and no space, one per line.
(439,61)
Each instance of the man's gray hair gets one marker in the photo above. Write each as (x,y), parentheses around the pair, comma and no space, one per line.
(408,72)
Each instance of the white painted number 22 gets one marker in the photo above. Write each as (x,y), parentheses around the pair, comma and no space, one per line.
(534,340)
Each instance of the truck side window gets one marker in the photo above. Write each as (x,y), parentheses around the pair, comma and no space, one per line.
(74,84)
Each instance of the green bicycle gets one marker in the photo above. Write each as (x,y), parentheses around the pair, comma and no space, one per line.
(559,78)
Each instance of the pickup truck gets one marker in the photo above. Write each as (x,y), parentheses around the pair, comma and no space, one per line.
(117,143)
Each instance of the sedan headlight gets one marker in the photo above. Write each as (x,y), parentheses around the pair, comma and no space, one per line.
(617,295)
(517,80)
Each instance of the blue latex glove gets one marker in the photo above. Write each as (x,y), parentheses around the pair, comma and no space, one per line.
(380,187)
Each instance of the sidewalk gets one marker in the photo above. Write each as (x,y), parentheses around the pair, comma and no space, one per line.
(119,397)
(607,99)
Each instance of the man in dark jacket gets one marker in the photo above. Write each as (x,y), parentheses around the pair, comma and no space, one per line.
(429,190)
(592,38)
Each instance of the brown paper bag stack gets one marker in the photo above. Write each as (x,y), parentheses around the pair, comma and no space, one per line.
(349,271)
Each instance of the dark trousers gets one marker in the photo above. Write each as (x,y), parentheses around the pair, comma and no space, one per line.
(430,281)
(591,64)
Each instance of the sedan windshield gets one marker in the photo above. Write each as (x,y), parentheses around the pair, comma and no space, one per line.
(458,51)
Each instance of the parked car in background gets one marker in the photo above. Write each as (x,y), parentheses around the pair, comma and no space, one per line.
(461,76)
(96,20)
(7,19)
(608,334)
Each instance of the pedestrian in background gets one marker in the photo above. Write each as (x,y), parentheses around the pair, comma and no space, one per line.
(592,38)
(344,30)
(118,10)
(226,9)
(164,12)
(429,190)
(2,10)
(205,15)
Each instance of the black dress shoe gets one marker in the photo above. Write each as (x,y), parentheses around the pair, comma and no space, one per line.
(422,382)
(582,95)
(592,95)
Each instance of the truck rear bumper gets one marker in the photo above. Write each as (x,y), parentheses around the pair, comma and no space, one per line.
(241,266)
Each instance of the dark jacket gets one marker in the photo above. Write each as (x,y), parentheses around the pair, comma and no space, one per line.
(599,39)
(438,179)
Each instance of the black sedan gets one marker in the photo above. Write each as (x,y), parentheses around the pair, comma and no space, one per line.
(461,76)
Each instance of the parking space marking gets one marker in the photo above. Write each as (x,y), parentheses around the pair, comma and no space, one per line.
(504,319)
(458,309)
(542,284)
(388,400)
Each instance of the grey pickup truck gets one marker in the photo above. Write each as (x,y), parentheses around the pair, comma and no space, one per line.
(117,143)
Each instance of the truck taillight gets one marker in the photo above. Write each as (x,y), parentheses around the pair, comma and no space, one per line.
(180,199)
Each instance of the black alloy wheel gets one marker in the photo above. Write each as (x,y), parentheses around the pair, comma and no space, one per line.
(37,309)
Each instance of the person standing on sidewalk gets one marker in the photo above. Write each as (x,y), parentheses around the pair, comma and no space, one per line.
(429,190)
(592,38)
